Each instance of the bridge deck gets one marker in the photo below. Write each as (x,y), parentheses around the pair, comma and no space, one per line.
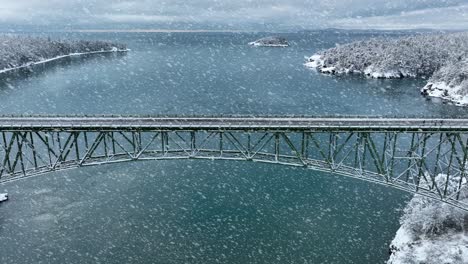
(232,123)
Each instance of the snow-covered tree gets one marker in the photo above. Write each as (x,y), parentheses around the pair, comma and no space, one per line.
(17,51)
(432,231)
(442,57)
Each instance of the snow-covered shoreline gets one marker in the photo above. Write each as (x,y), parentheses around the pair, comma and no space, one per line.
(432,232)
(446,92)
(18,52)
(317,62)
(451,248)
(29,64)
(441,58)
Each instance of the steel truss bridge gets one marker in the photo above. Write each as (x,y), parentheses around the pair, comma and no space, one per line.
(423,156)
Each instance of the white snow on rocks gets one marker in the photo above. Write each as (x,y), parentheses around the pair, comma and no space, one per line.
(316,61)
(454,93)
(3,197)
(442,57)
(448,249)
(431,231)
(450,82)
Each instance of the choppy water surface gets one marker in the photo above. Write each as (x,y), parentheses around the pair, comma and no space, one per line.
(202,211)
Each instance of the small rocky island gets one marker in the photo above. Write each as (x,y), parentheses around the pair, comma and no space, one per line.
(3,197)
(270,42)
(442,58)
(19,52)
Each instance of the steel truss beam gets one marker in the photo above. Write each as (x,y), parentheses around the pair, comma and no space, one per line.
(406,160)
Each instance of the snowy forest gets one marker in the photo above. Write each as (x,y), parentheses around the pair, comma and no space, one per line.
(19,51)
(443,58)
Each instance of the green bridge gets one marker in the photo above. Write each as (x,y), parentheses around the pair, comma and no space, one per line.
(423,156)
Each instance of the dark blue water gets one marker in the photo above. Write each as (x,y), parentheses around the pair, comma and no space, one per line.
(202,211)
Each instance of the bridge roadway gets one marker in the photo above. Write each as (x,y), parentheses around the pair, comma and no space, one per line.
(83,123)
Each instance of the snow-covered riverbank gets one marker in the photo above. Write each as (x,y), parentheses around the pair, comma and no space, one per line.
(21,52)
(62,57)
(441,58)
(432,232)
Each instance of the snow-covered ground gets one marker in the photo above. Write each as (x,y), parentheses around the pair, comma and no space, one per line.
(450,82)
(3,197)
(448,248)
(28,64)
(432,232)
(454,93)
(20,52)
(443,58)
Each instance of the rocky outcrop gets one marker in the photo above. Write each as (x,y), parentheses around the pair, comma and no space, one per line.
(450,83)
(270,42)
(3,197)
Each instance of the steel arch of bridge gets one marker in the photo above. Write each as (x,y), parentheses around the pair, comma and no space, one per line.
(403,154)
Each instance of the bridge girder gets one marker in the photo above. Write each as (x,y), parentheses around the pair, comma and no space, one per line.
(411,161)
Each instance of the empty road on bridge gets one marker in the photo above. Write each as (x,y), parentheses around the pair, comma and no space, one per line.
(232,123)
